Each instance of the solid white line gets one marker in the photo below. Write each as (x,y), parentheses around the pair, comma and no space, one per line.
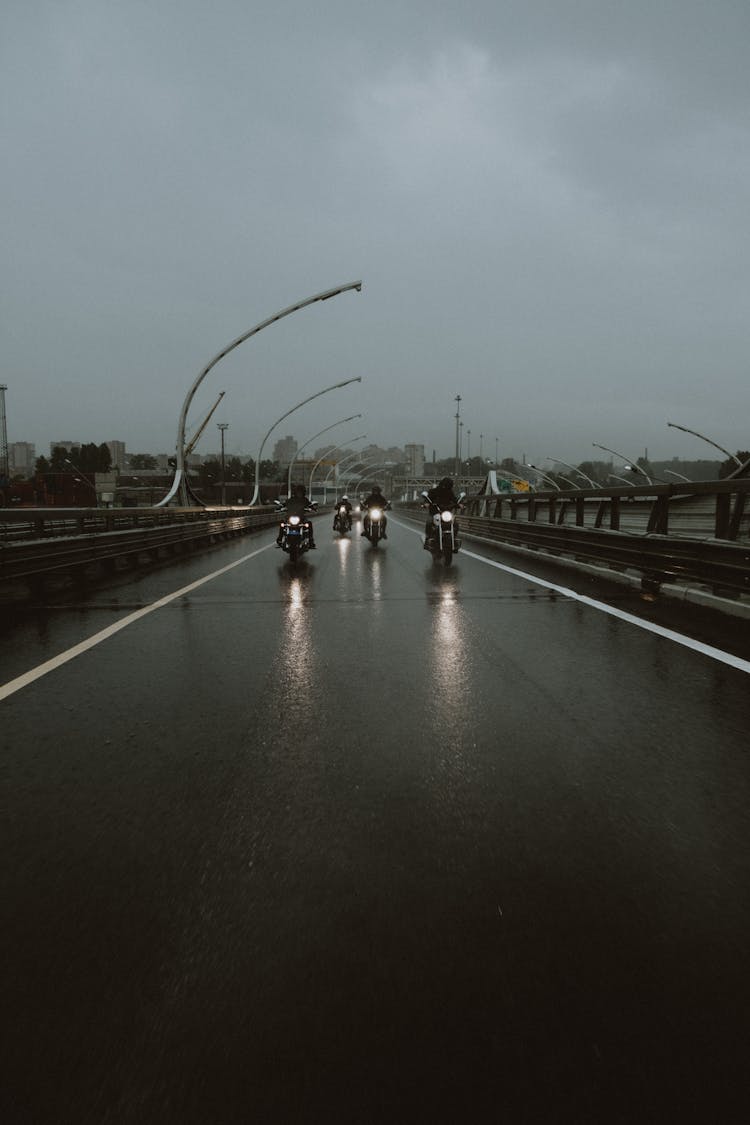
(13,686)
(639,622)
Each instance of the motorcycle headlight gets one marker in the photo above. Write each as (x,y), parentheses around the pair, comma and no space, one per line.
(294,520)
(342,511)
(376,513)
(446,517)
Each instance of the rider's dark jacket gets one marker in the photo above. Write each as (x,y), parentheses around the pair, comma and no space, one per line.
(297,505)
(375,500)
(443,497)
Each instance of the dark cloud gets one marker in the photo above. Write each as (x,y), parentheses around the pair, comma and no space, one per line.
(545,202)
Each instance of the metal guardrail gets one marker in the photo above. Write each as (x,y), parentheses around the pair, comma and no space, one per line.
(695,533)
(42,542)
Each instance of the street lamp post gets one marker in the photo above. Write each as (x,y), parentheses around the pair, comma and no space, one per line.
(496,462)
(633,464)
(334,387)
(223,426)
(331,449)
(613,476)
(704,438)
(457,400)
(573,469)
(85,478)
(179,483)
(324,431)
(544,476)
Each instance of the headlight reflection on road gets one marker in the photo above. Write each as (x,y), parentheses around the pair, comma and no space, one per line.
(296,659)
(450,674)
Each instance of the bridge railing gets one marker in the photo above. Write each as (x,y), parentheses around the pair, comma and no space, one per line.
(36,543)
(697,533)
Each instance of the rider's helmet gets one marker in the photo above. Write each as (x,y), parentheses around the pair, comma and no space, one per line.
(446,483)
(298,490)
(376,489)
(344,497)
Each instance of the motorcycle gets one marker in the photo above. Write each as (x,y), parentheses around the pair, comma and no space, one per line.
(295,537)
(374,528)
(443,542)
(342,521)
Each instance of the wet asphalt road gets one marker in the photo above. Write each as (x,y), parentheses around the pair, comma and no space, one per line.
(372,841)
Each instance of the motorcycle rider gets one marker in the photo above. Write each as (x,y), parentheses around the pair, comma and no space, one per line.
(344,502)
(298,504)
(374,500)
(441,497)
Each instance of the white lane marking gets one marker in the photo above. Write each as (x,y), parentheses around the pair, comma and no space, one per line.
(639,622)
(29,677)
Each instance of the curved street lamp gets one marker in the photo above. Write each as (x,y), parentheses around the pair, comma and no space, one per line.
(179,484)
(362,463)
(544,476)
(573,469)
(331,449)
(333,387)
(338,464)
(680,476)
(369,469)
(704,438)
(325,431)
(633,464)
(613,476)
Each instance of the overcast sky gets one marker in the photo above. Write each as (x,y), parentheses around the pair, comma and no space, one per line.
(546,201)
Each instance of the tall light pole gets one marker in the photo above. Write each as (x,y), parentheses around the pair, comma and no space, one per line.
(301,447)
(496,463)
(704,438)
(457,400)
(223,426)
(286,414)
(633,464)
(481,439)
(573,469)
(468,448)
(356,459)
(680,476)
(544,476)
(85,478)
(331,449)
(179,483)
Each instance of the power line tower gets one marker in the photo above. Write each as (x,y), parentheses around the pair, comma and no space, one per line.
(4,465)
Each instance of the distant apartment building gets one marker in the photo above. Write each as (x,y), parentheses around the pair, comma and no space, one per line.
(414,457)
(21,458)
(285,449)
(118,454)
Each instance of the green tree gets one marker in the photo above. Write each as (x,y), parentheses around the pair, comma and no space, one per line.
(232,468)
(58,460)
(209,472)
(143,461)
(42,465)
(270,470)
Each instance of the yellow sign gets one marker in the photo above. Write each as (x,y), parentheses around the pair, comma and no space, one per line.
(520,485)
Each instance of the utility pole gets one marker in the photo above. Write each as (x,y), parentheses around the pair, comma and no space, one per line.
(458,449)
(222,427)
(4,463)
